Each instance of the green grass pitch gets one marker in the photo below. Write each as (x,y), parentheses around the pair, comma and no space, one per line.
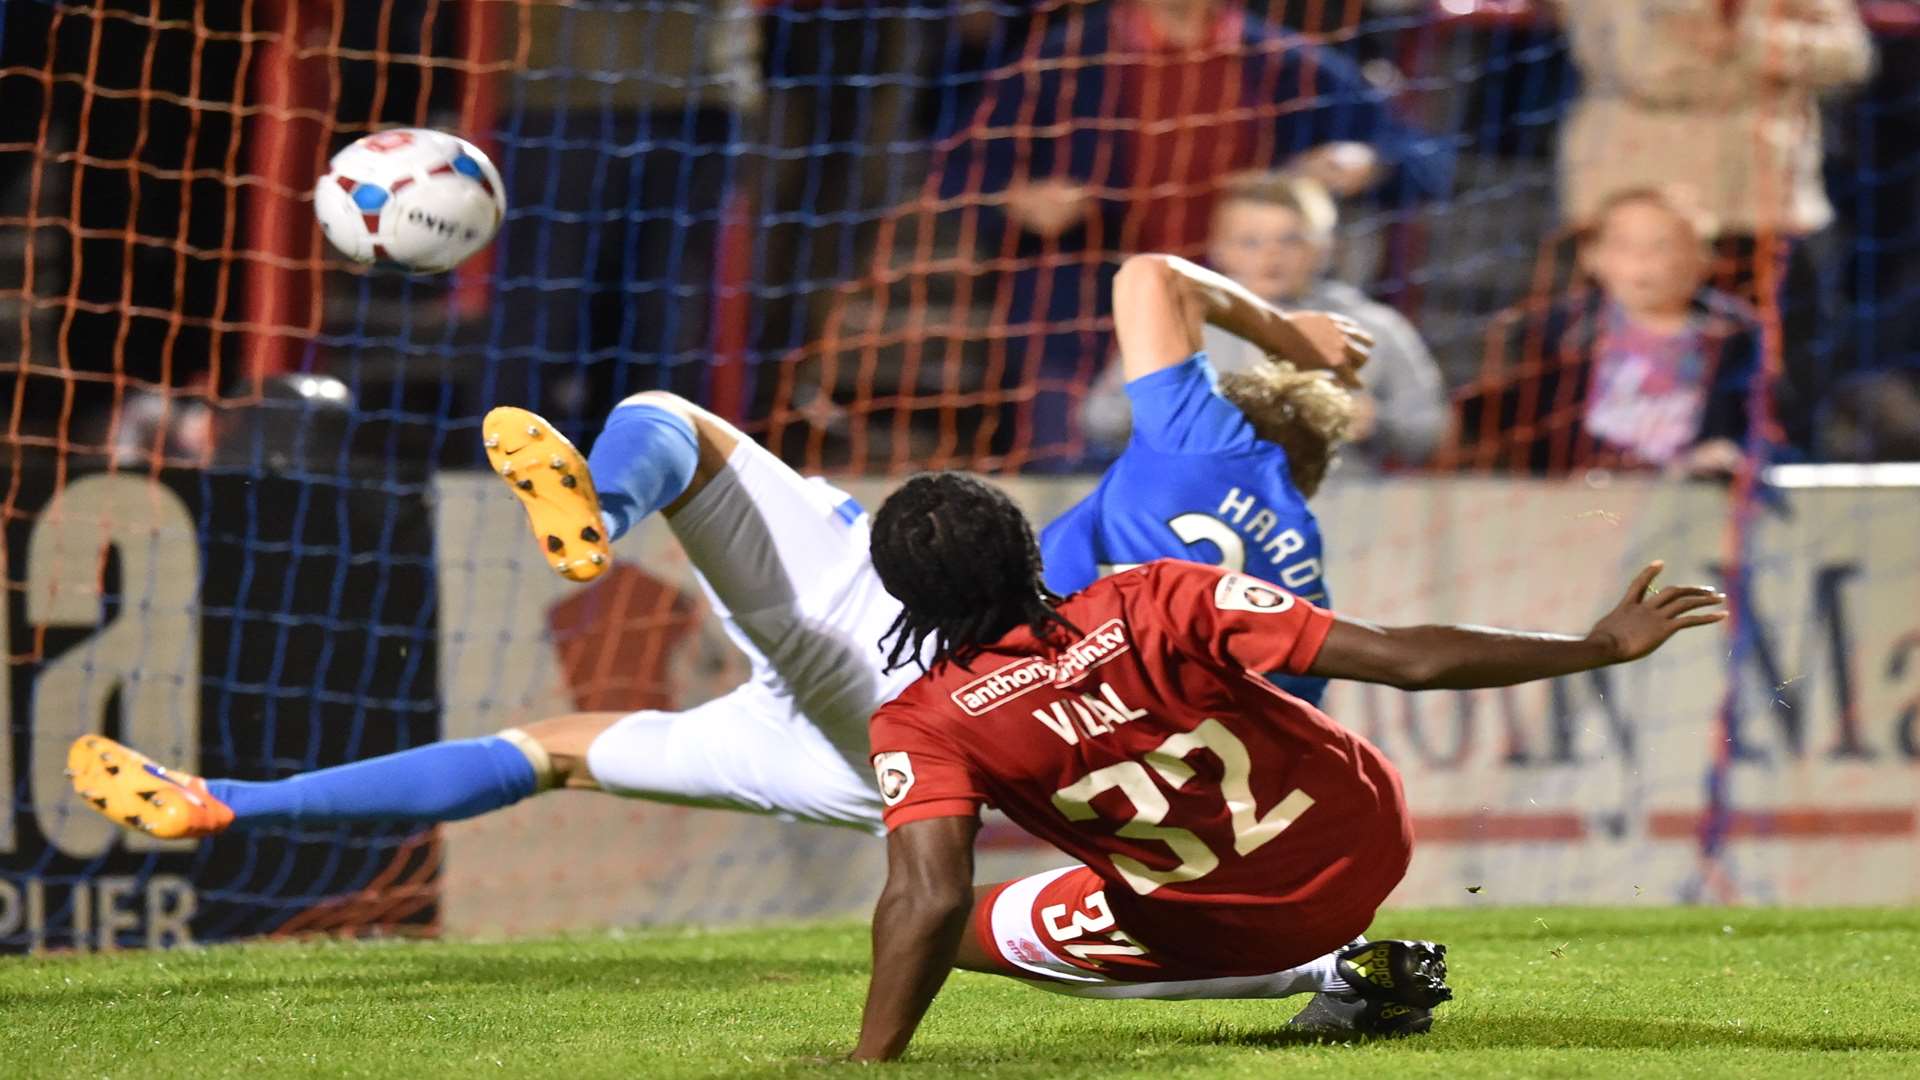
(1556,992)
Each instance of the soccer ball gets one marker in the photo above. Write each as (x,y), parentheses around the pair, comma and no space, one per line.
(424,200)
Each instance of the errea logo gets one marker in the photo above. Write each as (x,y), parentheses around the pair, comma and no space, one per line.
(1003,684)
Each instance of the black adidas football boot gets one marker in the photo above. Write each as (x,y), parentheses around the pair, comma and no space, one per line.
(1394,986)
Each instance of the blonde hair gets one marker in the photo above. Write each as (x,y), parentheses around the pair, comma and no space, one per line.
(1305,413)
(1303,195)
(1676,199)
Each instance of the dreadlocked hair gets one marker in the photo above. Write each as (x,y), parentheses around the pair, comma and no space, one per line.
(1305,412)
(961,559)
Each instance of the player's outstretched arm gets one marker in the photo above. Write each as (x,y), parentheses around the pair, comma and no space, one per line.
(1160,303)
(1469,657)
(917,926)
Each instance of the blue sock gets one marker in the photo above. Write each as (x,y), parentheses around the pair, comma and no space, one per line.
(445,781)
(643,459)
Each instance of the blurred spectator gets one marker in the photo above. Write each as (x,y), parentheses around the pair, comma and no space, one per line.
(1721,95)
(1274,235)
(965,41)
(1872,417)
(1648,368)
(617,186)
(1870,178)
(1114,134)
(839,100)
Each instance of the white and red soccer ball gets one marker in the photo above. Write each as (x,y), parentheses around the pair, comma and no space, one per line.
(421,199)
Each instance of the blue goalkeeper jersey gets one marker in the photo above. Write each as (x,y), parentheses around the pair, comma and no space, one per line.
(1193,483)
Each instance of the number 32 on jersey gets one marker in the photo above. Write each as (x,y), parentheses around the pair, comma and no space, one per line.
(1251,829)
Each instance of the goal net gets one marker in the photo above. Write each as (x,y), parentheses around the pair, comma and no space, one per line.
(245,531)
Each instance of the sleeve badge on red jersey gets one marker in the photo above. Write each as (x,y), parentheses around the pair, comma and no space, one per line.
(895,774)
(1237,592)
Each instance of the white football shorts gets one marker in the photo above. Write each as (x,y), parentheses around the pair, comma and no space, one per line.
(1054,931)
(784,562)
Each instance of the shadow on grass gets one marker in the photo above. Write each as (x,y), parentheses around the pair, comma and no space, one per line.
(423,975)
(1518,1031)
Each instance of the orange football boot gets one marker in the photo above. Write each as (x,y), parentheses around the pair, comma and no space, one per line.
(550,479)
(129,789)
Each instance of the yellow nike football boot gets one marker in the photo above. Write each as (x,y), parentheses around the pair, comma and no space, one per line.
(130,790)
(550,479)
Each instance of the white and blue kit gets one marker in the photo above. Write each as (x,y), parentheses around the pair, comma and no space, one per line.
(783,561)
(1194,483)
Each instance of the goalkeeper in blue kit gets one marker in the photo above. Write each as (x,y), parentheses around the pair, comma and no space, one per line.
(1219,469)
(784,564)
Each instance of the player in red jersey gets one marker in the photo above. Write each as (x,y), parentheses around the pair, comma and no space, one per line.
(1234,839)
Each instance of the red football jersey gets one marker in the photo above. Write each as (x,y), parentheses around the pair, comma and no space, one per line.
(1231,821)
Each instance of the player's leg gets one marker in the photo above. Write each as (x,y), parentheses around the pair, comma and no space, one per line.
(783,558)
(761,538)
(749,750)
(656,451)
(746,750)
(443,781)
(1056,932)
(783,561)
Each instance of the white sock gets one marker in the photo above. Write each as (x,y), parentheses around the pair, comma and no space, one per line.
(1325,975)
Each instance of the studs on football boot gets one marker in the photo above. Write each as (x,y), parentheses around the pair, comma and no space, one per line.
(550,478)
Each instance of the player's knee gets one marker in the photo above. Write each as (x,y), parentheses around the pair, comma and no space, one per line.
(679,414)
(557,747)
(640,756)
(665,400)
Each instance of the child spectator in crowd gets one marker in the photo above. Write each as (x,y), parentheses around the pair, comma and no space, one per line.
(1723,96)
(1274,233)
(1646,368)
(1114,133)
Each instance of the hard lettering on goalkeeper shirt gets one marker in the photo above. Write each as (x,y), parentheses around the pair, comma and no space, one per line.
(1196,483)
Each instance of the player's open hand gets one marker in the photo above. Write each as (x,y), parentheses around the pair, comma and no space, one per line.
(1645,619)
(1333,342)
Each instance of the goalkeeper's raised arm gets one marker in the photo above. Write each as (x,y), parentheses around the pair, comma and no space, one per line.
(1160,303)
